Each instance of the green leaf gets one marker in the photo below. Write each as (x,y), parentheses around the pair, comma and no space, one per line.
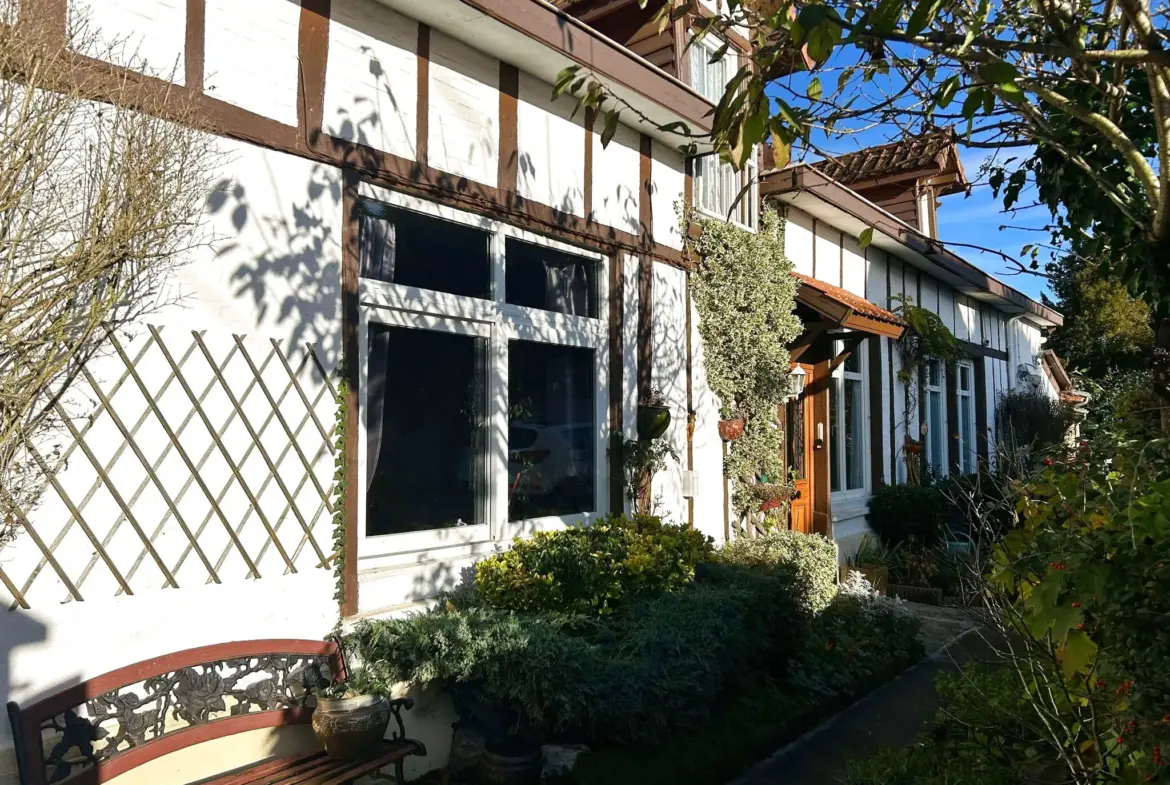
(922,16)
(885,18)
(822,39)
(946,92)
(781,152)
(814,89)
(998,72)
(865,238)
(611,126)
(1077,654)
(565,78)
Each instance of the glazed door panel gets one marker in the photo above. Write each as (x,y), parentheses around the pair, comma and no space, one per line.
(799,444)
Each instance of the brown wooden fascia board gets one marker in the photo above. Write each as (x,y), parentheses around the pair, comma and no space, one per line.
(808,179)
(823,304)
(561,31)
(866,324)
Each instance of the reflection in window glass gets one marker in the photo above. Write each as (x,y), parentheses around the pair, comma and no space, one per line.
(936,432)
(425,457)
(540,277)
(834,440)
(402,247)
(551,430)
(854,436)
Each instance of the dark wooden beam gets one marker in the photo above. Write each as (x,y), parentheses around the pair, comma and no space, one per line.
(422,128)
(194,46)
(350,319)
(876,406)
(849,345)
(313,54)
(822,512)
(509,128)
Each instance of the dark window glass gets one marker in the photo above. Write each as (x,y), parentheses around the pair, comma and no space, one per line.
(539,277)
(411,249)
(552,437)
(834,441)
(425,430)
(795,437)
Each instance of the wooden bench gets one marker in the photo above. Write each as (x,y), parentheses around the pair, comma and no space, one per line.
(96,730)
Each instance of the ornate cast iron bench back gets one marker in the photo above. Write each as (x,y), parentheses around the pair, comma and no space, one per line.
(96,730)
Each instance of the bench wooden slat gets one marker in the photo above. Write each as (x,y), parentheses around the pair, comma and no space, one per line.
(248,775)
(316,768)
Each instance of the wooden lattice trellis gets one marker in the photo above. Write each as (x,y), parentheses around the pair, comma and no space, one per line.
(198,431)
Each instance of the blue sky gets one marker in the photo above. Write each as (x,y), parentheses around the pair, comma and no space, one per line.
(975,219)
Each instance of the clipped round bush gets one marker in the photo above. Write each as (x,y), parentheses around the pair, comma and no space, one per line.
(811,558)
(899,513)
(592,569)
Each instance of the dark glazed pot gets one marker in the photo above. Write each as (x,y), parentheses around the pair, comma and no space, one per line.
(351,728)
(652,421)
(511,760)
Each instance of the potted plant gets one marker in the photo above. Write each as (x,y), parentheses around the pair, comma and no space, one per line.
(350,723)
(731,429)
(653,416)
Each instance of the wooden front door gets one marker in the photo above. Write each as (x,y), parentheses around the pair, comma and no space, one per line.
(799,445)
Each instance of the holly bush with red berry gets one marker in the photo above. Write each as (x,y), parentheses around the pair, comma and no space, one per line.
(1082,587)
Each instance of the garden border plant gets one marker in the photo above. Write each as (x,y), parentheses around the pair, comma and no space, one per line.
(745,294)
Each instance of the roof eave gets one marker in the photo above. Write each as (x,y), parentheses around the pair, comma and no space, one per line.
(923,251)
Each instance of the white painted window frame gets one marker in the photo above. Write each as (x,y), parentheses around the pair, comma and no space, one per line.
(943,469)
(849,498)
(498,322)
(968,459)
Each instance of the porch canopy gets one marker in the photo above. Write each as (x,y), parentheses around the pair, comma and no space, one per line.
(824,308)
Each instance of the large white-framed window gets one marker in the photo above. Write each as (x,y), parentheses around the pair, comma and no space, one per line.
(935,416)
(968,453)
(483,396)
(717,184)
(848,433)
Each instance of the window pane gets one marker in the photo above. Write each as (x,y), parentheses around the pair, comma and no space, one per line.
(853,361)
(699,68)
(540,277)
(834,439)
(966,434)
(854,435)
(964,378)
(794,437)
(402,247)
(552,432)
(425,430)
(932,373)
(935,433)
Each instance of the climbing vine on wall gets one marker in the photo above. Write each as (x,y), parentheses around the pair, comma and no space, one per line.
(746,298)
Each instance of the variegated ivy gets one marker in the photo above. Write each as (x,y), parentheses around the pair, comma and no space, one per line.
(746,298)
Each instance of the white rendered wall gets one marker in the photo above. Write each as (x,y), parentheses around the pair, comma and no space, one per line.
(668,337)
(371,80)
(616,173)
(853,267)
(464,111)
(551,148)
(706,445)
(250,55)
(668,182)
(148,35)
(798,241)
(827,254)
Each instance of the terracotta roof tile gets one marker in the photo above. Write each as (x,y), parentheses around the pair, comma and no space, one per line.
(859,305)
(905,155)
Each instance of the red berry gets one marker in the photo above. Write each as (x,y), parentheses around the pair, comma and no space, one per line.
(1076,605)
(1047,461)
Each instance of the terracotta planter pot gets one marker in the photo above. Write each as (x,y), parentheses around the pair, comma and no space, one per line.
(914,448)
(652,421)
(730,430)
(351,728)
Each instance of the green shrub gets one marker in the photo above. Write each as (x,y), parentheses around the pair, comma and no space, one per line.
(899,513)
(860,637)
(810,558)
(592,569)
(660,665)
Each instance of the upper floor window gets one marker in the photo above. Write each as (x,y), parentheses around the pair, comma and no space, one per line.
(718,185)
(710,78)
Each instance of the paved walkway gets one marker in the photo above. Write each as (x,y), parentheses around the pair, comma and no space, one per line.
(892,716)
